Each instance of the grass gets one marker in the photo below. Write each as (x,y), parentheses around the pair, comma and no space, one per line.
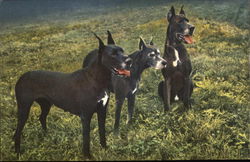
(217,126)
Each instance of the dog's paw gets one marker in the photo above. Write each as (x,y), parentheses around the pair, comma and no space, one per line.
(192,101)
(104,145)
(116,133)
(88,156)
(166,109)
(129,122)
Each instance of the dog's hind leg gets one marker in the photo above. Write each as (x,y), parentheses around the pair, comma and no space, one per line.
(131,104)
(23,113)
(191,88)
(119,103)
(101,115)
(45,108)
(86,119)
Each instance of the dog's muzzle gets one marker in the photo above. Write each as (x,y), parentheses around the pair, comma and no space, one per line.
(185,38)
(164,63)
(128,62)
(191,30)
(123,70)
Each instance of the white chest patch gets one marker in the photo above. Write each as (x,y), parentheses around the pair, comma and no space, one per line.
(152,53)
(177,58)
(104,99)
(176,98)
(134,90)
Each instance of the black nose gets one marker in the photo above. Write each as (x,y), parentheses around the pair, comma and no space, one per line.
(191,30)
(164,63)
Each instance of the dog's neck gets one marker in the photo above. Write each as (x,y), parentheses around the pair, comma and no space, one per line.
(99,73)
(137,68)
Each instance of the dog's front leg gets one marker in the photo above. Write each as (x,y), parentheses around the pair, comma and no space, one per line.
(167,94)
(101,115)
(119,102)
(85,119)
(131,104)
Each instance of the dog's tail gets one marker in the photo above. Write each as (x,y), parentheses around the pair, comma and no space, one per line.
(160,89)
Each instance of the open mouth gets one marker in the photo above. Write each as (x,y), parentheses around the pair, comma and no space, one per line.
(121,72)
(185,38)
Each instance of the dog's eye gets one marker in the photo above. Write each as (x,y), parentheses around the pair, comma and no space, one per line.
(152,54)
(180,21)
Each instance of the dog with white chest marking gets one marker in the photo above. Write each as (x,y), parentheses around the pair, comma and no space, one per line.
(82,93)
(147,56)
(177,84)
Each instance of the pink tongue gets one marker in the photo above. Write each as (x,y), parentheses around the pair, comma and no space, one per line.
(188,39)
(124,72)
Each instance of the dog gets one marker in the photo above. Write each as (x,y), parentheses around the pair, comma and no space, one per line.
(177,84)
(81,93)
(126,87)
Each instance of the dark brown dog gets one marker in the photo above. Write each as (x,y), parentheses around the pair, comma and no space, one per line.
(177,83)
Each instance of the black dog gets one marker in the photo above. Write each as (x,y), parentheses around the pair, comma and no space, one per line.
(82,92)
(126,87)
(178,83)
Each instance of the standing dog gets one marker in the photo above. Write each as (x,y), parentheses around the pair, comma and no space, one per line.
(177,83)
(82,92)
(147,56)
(126,87)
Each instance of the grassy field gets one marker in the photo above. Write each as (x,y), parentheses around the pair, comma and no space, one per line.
(217,126)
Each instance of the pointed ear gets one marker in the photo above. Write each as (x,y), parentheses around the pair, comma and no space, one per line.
(182,11)
(101,44)
(151,42)
(171,13)
(101,48)
(142,44)
(110,39)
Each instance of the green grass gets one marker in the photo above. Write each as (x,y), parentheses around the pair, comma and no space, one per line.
(217,126)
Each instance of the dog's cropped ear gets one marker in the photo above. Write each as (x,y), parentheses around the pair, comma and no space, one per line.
(182,11)
(142,44)
(110,38)
(101,47)
(171,13)
(151,41)
(101,44)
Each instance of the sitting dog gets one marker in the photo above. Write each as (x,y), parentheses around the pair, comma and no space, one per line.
(81,93)
(177,83)
(126,87)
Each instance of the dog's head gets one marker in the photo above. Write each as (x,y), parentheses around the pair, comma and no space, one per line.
(179,28)
(113,58)
(150,56)
(172,57)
